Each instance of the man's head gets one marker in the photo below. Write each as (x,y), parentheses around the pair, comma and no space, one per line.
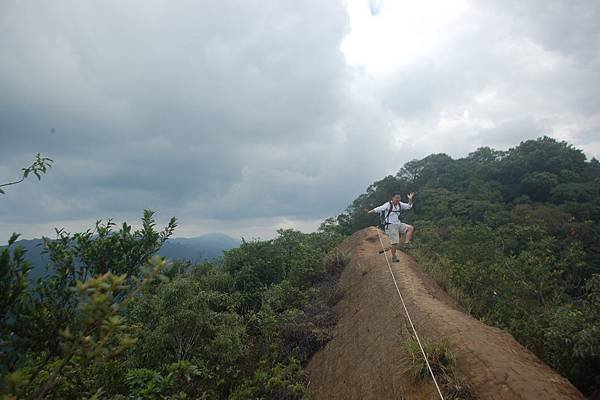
(396,197)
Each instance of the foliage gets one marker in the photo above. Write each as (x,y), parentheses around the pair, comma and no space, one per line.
(99,250)
(14,272)
(39,167)
(513,235)
(279,382)
(110,322)
(68,325)
(174,383)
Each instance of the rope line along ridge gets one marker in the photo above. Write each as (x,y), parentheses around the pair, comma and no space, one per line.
(409,318)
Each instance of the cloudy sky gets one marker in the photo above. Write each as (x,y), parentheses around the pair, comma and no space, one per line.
(246,116)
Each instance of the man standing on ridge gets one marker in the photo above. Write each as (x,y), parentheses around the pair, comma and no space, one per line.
(393,226)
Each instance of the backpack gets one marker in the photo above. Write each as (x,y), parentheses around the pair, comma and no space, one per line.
(384,216)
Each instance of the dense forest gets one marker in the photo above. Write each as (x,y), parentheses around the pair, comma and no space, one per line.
(113,322)
(515,237)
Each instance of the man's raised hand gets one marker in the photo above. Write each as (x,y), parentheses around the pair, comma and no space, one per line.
(411,195)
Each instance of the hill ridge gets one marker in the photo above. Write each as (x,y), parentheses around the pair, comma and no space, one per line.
(364,358)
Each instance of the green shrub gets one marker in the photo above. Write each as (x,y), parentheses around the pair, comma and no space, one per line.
(111,325)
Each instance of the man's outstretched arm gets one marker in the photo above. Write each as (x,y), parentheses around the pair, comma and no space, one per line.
(379,209)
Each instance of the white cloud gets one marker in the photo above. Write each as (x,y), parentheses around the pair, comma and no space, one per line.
(400,32)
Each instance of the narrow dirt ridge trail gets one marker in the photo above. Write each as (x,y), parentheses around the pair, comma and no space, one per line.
(364,360)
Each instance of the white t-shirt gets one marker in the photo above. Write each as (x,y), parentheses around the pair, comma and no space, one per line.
(394,217)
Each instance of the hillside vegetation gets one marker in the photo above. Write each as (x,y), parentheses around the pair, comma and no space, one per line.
(109,324)
(515,237)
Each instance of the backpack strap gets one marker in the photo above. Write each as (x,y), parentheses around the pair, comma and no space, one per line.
(387,217)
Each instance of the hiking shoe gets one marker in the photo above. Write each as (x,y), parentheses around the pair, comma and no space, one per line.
(408,246)
(395,259)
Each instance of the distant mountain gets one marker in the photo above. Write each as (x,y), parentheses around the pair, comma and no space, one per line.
(198,248)
(195,249)
(34,255)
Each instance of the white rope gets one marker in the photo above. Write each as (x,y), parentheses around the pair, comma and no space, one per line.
(409,319)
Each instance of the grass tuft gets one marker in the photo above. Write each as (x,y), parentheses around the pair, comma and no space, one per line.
(443,364)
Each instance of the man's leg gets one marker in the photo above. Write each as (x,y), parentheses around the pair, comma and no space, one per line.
(393,232)
(409,234)
(408,230)
(394,248)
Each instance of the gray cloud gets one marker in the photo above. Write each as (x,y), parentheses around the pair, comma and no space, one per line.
(245,114)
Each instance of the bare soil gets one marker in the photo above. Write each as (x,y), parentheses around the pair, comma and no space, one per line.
(365,358)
